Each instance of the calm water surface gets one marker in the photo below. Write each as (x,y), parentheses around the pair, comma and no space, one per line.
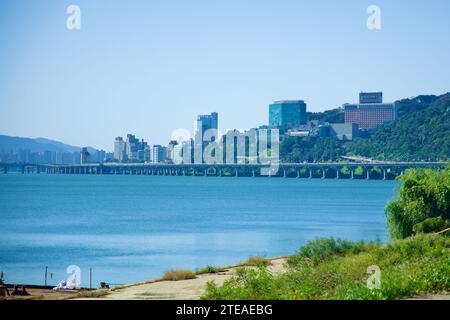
(133,228)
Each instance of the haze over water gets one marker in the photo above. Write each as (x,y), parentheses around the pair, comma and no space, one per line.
(133,228)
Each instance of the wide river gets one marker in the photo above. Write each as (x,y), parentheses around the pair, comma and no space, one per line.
(133,228)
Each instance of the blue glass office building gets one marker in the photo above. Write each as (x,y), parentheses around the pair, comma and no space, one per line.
(287,114)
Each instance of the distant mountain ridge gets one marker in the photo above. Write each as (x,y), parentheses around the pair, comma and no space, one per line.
(10,143)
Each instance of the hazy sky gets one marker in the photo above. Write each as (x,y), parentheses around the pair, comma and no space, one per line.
(149,67)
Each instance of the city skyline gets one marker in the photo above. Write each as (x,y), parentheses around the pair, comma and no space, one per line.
(137,68)
(346,130)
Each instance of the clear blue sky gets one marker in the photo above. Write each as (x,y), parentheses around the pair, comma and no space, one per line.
(149,67)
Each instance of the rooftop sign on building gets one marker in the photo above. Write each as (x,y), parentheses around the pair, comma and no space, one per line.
(371,97)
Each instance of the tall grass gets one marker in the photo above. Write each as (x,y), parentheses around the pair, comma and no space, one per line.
(177,275)
(255,261)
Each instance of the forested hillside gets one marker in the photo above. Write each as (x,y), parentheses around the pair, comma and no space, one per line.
(420,133)
(416,136)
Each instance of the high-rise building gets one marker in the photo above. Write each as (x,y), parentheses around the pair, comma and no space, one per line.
(287,114)
(147,153)
(370,116)
(158,154)
(170,149)
(84,155)
(142,146)
(109,156)
(120,150)
(208,121)
(131,149)
(177,157)
(99,156)
(204,133)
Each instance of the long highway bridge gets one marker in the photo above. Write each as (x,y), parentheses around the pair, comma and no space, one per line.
(339,170)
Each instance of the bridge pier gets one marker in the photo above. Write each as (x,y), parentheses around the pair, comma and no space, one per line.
(380,170)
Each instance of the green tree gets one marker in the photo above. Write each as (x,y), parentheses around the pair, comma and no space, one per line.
(310,149)
(422,205)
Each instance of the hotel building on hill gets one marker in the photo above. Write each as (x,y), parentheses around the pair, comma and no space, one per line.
(371,115)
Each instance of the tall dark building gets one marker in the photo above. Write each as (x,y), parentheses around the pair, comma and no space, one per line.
(208,121)
(202,125)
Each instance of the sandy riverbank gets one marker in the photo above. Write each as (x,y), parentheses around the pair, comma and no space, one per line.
(180,290)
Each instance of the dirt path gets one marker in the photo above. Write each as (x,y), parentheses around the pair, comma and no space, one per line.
(180,290)
(432,297)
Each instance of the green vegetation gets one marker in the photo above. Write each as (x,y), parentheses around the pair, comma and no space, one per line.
(256,261)
(419,103)
(177,275)
(318,251)
(415,136)
(417,263)
(310,149)
(336,269)
(209,269)
(422,205)
(331,116)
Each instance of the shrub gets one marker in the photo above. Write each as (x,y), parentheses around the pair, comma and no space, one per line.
(208,269)
(320,250)
(176,275)
(423,194)
(429,225)
(254,284)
